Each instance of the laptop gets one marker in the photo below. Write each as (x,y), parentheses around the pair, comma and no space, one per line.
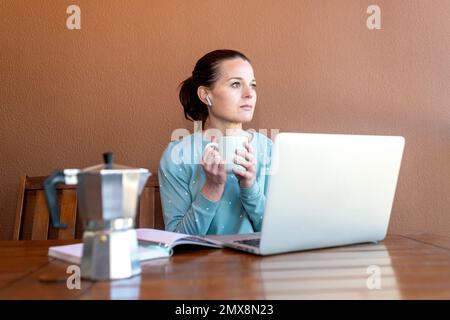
(325,190)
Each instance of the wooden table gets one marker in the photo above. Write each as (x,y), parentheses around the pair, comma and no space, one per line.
(400,267)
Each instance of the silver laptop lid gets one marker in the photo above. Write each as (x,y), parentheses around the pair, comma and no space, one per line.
(329,190)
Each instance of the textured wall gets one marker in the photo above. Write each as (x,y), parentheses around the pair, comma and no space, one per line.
(67,96)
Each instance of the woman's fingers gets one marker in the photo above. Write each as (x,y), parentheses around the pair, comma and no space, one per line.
(249,147)
(246,159)
(211,156)
(242,174)
(206,154)
(246,155)
(249,166)
(213,163)
(221,167)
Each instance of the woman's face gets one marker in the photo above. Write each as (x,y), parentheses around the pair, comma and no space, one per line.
(233,95)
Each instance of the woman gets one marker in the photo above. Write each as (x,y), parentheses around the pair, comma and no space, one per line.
(198,197)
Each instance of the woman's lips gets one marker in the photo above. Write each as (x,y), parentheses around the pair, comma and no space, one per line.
(246,107)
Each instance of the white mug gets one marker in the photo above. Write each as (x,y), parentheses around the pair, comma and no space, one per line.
(227,146)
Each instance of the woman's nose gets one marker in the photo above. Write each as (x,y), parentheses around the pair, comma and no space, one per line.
(248,92)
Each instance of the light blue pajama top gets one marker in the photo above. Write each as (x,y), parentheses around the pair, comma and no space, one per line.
(187,210)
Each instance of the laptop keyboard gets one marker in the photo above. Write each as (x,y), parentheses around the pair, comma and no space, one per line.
(249,242)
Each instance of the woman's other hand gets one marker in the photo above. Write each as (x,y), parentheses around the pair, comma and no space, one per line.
(246,158)
(215,171)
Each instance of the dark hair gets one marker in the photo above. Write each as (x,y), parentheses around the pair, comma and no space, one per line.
(205,73)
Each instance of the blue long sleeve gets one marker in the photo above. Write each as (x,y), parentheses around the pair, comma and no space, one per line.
(254,202)
(187,210)
(182,213)
(254,198)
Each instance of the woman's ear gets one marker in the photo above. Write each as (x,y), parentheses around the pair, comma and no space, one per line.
(202,93)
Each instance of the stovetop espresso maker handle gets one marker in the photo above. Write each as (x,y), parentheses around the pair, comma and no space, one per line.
(51,197)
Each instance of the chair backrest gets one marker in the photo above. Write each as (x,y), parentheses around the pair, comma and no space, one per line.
(32,221)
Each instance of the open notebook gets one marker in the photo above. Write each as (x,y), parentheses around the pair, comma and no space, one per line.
(153,244)
(172,239)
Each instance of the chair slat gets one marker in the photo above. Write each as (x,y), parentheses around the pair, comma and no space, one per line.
(68,214)
(19,207)
(39,230)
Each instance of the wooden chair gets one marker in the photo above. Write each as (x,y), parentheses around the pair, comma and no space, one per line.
(32,221)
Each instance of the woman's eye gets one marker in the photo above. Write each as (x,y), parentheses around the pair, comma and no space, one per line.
(235,84)
(254,85)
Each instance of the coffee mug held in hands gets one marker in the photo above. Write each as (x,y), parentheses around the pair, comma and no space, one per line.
(227,146)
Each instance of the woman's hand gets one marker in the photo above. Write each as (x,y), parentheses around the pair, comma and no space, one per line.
(215,171)
(247,160)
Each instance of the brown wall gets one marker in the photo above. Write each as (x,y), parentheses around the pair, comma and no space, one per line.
(67,96)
